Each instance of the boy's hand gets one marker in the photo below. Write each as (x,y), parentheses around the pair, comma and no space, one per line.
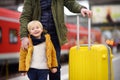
(53,70)
(24,74)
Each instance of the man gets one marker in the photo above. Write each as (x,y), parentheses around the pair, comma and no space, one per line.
(51,15)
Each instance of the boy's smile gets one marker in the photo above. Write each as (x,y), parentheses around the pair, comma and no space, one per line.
(36,31)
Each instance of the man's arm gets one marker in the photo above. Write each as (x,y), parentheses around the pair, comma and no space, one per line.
(75,7)
(25,17)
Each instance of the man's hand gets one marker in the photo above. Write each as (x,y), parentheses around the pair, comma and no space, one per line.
(24,43)
(85,12)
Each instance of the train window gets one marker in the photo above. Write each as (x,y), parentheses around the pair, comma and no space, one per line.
(13,36)
(0,35)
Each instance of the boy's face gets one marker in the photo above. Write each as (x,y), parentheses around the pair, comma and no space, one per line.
(35,31)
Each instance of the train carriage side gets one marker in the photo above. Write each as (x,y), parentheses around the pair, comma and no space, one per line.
(9,38)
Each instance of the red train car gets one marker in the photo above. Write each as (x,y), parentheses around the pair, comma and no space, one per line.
(9,38)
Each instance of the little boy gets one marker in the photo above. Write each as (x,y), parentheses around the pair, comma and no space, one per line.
(40,57)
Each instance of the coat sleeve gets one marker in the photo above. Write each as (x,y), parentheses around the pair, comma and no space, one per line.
(73,6)
(25,57)
(22,59)
(54,57)
(51,53)
(25,17)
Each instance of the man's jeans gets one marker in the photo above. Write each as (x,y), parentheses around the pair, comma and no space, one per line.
(56,76)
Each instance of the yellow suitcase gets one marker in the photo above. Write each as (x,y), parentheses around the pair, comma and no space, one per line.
(90,62)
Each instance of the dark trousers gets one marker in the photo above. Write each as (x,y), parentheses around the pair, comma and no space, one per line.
(37,74)
(56,76)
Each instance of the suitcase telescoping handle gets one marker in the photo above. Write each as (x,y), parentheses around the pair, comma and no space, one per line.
(78,31)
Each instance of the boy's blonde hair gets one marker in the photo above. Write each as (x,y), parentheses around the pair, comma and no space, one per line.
(34,22)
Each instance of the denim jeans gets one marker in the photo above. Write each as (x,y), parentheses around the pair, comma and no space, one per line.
(37,74)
